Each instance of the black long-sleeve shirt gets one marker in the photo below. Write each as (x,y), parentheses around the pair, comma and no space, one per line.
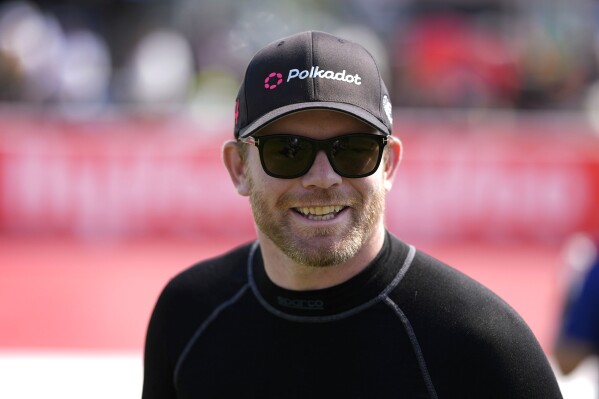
(408,326)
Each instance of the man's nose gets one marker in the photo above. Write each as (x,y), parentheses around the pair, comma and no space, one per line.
(321,173)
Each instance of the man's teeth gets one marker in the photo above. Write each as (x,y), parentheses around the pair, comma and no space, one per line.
(320,212)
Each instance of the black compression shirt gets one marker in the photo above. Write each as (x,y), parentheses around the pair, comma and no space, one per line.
(408,326)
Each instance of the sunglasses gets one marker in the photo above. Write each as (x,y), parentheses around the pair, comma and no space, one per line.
(287,156)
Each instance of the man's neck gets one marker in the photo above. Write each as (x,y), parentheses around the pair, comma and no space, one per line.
(286,273)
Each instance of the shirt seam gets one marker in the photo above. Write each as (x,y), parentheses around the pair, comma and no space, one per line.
(415,346)
(215,313)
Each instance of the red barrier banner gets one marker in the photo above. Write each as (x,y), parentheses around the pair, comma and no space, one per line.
(497,187)
(118,185)
(130,179)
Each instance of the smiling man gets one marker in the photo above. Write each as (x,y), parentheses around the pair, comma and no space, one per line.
(327,303)
(318,219)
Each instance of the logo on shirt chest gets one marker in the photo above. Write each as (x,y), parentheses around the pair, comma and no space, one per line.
(308,304)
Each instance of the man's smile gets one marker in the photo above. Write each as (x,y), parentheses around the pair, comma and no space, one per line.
(320,213)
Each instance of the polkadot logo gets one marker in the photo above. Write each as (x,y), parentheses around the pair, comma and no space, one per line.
(273,80)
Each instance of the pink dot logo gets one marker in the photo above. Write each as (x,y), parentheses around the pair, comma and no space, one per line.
(273,80)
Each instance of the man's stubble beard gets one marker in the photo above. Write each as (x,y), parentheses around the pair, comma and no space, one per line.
(318,247)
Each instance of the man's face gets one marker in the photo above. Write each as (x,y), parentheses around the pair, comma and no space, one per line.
(320,218)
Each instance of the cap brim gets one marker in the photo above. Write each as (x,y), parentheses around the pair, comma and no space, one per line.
(278,113)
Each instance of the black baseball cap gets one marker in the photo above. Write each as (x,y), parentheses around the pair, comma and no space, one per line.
(311,70)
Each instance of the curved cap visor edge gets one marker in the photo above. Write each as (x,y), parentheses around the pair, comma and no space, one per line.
(278,113)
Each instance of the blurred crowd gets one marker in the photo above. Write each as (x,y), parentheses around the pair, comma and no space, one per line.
(92,56)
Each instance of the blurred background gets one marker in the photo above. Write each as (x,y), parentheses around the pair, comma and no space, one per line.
(113,113)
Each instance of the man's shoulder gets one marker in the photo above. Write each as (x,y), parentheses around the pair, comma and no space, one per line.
(463,328)
(190,297)
(211,279)
(435,293)
(444,282)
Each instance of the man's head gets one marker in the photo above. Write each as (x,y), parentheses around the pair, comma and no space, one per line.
(311,70)
(316,171)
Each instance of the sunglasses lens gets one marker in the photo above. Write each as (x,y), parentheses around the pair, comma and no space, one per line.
(287,156)
(355,156)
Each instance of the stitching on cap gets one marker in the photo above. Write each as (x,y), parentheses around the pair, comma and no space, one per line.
(382,112)
(314,83)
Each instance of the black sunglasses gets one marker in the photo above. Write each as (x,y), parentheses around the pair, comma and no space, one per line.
(287,156)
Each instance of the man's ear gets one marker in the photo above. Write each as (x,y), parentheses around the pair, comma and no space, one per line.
(234,163)
(392,159)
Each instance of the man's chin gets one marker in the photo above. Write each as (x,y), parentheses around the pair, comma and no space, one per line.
(320,251)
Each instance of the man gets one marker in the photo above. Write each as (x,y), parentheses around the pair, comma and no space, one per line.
(578,339)
(327,303)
